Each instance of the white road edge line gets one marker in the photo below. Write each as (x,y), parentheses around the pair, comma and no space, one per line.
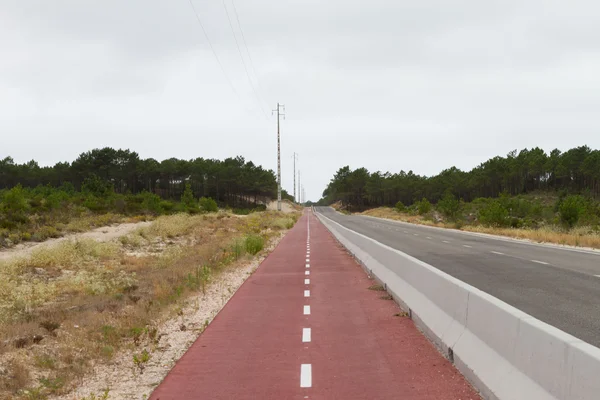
(306,310)
(306,336)
(305,375)
(307,293)
(307,281)
(540,262)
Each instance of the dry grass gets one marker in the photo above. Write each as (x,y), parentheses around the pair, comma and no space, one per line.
(63,308)
(581,236)
(91,221)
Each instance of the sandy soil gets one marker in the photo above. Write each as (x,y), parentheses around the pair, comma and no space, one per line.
(102,234)
(285,206)
(125,380)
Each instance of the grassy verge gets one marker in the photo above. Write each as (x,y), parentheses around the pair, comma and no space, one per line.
(579,236)
(64,308)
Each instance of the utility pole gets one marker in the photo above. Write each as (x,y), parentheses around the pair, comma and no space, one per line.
(299,193)
(278,110)
(295,158)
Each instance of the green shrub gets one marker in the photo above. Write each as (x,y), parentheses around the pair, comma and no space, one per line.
(254,244)
(97,187)
(493,214)
(167,206)
(400,207)
(423,206)
(187,198)
(14,238)
(208,205)
(449,205)
(241,211)
(151,202)
(238,248)
(45,232)
(571,208)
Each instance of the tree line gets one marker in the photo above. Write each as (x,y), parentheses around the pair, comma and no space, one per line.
(574,171)
(233,182)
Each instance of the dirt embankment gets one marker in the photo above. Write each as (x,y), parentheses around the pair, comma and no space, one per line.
(286,206)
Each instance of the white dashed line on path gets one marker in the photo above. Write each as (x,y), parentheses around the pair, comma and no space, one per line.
(445,241)
(306,272)
(305,375)
(307,281)
(497,252)
(306,310)
(307,293)
(306,335)
(467,246)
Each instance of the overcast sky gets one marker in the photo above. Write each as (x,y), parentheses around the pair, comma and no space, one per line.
(389,85)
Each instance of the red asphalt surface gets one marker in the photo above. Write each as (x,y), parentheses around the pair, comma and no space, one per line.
(359,349)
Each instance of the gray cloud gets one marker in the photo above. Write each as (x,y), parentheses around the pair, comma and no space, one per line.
(387,85)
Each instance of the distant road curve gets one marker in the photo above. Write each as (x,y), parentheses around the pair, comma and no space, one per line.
(560,286)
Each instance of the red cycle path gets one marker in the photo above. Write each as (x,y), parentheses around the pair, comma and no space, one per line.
(359,349)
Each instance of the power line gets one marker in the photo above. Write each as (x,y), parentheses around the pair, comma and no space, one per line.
(243,62)
(237,17)
(215,53)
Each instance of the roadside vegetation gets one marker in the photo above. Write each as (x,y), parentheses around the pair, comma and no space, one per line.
(104,186)
(67,307)
(530,195)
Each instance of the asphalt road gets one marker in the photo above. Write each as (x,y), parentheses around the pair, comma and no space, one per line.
(559,286)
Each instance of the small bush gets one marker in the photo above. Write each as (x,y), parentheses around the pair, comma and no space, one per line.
(208,205)
(400,207)
(449,205)
(423,206)
(254,244)
(238,248)
(283,223)
(493,214)
(167,205)
(187,198)
(571,208)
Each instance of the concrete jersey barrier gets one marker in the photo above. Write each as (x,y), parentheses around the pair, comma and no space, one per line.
(505,353)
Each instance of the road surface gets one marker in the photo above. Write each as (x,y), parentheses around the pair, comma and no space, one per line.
(559,286)
(306,326)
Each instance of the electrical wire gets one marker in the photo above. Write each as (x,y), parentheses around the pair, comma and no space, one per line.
(215,53)
(237,44)
(237,17)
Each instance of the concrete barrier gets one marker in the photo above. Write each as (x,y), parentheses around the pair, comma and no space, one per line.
(505,353)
